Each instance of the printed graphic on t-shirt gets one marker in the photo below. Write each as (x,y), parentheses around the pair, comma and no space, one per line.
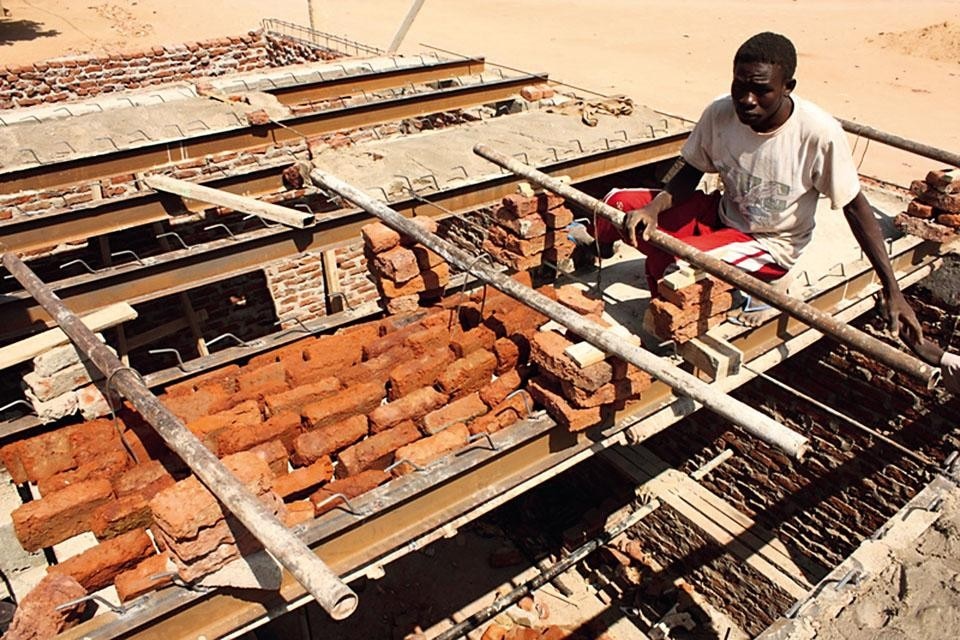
(759,201)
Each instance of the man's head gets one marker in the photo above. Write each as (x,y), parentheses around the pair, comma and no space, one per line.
(763,71)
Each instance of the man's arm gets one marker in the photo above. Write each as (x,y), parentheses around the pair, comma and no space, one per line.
(867,232)
(680,187)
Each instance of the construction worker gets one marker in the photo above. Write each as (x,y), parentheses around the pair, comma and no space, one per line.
(949,363)
(775,154)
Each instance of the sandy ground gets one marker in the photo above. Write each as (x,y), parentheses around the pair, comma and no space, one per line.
(893,65)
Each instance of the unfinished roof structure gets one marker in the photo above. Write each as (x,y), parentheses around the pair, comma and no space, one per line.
(283,308)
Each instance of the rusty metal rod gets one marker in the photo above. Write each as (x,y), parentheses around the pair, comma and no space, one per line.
(324,585)
(753,421)
(823,322)
(925,150)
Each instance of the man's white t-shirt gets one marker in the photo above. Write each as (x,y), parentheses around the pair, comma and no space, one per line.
(771,181)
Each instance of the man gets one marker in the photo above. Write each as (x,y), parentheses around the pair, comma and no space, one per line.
(775,154)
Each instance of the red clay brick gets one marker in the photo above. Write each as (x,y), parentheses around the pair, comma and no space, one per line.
(531,93)
(118,516)
(209,428)
(696,294)
(298,512)
(202,402)
(60,515)
(426,223)
(694,329)
(284,426)
(185,508)
(527,247)
(547,350)
(497,391)
(668,317)
(627,388)
(339,350)
(507,352)
(426,450)
(96,568)
(358,398)
(313,445)
(376,452)
(426,280)
(37,616)
(557,218)
(398,264)
(412,406)
(225,377)
(462,410)
(573,297)
(10,457)
(287,353)
(255,384)
(299,481)
(508,412)
(468,374)
(110,464)
(145,479)
(430,340)
(376,369)
(526,226)
(560,410)
(46,454)
(296,398)
(139,580)
(513,261)
(275,454)
(426,259)
(520,205)
(917,209)
(416,373)
(465,343)
(350,487)
(379,237)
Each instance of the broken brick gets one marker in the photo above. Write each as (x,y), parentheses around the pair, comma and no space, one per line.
(400,336)
(526,226)
(38,615)
(573,297)
(351,487)
(60,515)
(919,210)
(465,343)
(376,452)
(462,410)
(284,426)
(296,398)
(275,454)
(255,384)
(426,223)
(426,450)
(426,280)
(46,454)
(398,264)
(507,353)
(547,350)
(145,479)
(506,239)
(561,411)
(96,567)
(358,398)
(416,373)
(313,445)
(616,391)
(412,406)
(202,402)
(498,390)
(468,374)
(185,508)
(699,293)
(510,411)
(379,237)
(141,579)
(107,466)
(558,217)
(304,479)
(514,261)
(298,512)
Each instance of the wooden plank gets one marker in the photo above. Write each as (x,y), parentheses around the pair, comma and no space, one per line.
(718,519)
(331,281)
(35,345)
(273,212)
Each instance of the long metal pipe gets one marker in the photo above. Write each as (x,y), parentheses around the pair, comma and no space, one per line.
(324,585)
(795,307)
(750,419)
(925,150)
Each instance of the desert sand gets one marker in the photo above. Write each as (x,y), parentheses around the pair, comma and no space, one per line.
(892,65)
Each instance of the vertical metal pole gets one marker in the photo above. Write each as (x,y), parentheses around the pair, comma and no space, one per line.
(405,26)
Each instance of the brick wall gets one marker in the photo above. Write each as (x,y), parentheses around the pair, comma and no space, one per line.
(297,287)
(71,78)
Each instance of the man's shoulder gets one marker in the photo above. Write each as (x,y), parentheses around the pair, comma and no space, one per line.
(816,120)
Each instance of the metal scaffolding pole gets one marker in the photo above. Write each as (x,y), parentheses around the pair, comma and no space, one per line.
(924,150)
(324,585)
(823,322)
(753,421)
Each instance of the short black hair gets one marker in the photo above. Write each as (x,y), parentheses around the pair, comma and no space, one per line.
(771,48)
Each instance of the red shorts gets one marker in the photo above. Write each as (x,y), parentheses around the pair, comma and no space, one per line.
(695,221)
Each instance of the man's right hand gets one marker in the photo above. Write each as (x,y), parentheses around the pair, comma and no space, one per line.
(646,216)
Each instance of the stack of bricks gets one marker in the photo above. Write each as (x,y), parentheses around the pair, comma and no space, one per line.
(681,314)
(60,385)
(934,213)
(530,232)
(406,273)
(579,397)
(320,417)
(536,92)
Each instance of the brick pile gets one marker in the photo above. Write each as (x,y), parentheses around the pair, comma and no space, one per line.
(581,397)
(934,212)
(406,274)
(61,384)
(685,313)
(530,232)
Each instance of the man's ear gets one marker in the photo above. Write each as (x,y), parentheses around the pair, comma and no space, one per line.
(790,84)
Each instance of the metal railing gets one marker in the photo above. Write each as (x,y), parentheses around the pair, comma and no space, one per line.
(312,37)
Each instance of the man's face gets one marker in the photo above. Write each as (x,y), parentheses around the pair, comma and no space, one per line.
(760,94)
